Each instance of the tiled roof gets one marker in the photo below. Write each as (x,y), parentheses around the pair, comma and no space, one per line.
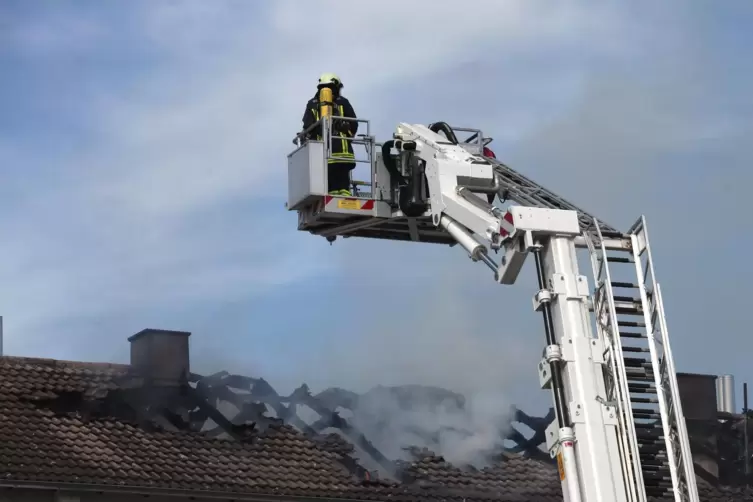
(70,443)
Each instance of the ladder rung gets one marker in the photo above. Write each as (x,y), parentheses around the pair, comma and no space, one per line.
(660,475)
(659,490)
(635,362)
(619,284)
(636,368)
(644,410)
(659,481)
(652,446)
(642,377)
(651,441)
(642,390)
(627,299)
(620,259)
(645,415)
(648,427)
(635,349)
(650,460)
(649,435)
(639,373)
(644,400)
(612,235)
(653,460)
(636,381)
(628,309)
(627,334)
(641,387)
(659,461)
(655,448)
(631,324)
(654,470)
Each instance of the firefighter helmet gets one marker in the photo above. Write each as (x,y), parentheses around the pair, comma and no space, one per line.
(330,79)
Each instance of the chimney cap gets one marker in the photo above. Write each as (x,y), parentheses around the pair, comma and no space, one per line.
(154,331)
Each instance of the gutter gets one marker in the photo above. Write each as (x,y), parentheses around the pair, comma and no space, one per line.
(67,491)
(164,492)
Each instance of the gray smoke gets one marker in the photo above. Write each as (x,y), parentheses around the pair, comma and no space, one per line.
(462,430)
(435,334)
(455,330)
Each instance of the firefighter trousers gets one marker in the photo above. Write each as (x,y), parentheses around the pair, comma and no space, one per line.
(339,175)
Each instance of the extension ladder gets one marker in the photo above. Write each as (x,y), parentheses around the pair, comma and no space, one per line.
(641,379)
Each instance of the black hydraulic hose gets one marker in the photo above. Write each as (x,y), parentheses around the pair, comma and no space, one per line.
(555,367)
(446,129)
(390,164)
(417,178)
(408,198)
(410,201)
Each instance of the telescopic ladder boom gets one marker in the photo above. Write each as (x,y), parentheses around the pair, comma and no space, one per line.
(619,434)
(630,318)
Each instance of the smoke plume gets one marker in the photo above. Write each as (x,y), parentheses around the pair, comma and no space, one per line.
(431,365)
(463,430)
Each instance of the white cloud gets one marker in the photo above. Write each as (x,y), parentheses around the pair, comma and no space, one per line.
(208,126)
(55,33)
(224,132)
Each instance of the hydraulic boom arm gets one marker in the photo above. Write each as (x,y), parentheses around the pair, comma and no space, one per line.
(590,466)
(595,436)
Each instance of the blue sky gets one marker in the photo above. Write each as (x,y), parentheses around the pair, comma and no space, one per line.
(143,146)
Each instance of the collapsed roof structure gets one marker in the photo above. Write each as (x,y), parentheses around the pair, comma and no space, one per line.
(154,427)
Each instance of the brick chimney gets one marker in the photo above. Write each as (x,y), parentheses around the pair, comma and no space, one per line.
(160,356)
(699,405)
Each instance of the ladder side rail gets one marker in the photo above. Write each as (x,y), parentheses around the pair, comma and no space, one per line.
(687,458)
(518,188)
(521,197)
(687,454)
(600,305)
(656,370)
(620,373)
(667,369)
(517,194)
(516,182)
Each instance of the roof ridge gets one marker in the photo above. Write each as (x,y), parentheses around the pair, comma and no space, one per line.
(45,361)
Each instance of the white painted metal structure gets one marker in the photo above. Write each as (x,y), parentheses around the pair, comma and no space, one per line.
(619,434)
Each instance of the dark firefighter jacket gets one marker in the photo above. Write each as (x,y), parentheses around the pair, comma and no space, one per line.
(340,128)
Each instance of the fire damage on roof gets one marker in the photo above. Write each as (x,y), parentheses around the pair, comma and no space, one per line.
(154,424)
(193,404)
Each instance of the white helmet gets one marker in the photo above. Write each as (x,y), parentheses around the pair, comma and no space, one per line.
(330,79)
